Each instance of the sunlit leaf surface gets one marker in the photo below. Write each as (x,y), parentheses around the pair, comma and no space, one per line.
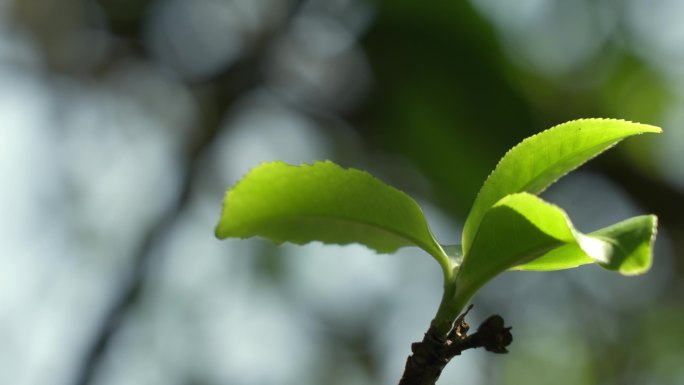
(540,160)
(522,231)
(324,202)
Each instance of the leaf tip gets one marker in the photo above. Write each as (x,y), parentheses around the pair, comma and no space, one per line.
(648,261)
(218,233)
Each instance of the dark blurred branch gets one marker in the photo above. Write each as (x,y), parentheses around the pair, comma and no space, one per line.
(220,92)
(131,291)
(431,355)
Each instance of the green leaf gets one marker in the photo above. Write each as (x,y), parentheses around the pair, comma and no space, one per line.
(522,231)
(631,252)
(514,231)
(540,160)
(325,202)
(632,242)
(517,229)
(567,256)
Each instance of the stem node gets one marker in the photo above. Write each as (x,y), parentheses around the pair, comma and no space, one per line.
(430,356)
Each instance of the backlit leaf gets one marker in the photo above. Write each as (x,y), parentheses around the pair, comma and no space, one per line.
(325,202)
(540,160)
(631,253)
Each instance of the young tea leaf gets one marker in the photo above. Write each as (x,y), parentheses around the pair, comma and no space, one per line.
(325,202)
(516,231)
(540,160)
(631,252)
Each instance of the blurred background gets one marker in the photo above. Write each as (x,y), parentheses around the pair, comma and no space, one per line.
(122,123)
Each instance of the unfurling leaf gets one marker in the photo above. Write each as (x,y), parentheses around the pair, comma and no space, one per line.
(521,231)
(540,160)
(631,249)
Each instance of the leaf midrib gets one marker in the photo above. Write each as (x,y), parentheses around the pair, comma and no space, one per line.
(563,160)
(383,229)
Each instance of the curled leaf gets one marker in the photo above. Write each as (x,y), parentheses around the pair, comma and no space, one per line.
(540,160)
(522,231)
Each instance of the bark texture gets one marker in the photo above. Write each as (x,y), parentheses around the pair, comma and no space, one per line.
(430,356)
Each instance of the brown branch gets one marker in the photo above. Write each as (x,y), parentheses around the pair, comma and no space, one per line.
(431,355)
